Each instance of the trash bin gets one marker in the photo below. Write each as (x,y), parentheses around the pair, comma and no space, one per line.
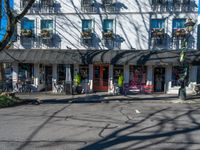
(68,88)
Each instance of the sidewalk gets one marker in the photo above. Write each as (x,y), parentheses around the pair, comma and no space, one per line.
(105,97)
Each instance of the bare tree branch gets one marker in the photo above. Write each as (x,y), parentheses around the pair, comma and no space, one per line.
(12,22)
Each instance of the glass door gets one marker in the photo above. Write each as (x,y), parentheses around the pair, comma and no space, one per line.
(100,78)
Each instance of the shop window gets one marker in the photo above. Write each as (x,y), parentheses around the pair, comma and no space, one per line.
(138,78)
(61,72)
(176,74)
(84,72)
(26,73)
(117,70)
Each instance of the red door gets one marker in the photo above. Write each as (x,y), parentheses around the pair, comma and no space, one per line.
(100,78)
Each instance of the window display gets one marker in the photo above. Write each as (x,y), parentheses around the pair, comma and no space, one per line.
(26,73)
(138,77)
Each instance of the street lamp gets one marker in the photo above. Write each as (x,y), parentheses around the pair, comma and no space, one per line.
(189,26)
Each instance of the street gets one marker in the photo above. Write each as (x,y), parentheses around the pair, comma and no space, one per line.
(112,125)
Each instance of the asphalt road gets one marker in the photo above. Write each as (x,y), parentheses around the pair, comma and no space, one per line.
(97,126)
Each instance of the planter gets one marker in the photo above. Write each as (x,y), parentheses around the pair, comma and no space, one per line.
(79,89)
(87,34)
(157,33)
(180,33)
(46,34)
(108,35)
(26,33)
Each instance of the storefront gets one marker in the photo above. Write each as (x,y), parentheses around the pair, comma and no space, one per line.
(100,78)
(138,78)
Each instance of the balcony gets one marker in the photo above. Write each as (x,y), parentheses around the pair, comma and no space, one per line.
(108,5)
(46,34)
(87,6)
(159,5)
(179,33)
(47,6)
(158,33)
(181,5)
(108,35)
(26,33)
(33,9)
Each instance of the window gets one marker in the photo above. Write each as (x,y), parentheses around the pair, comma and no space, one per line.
(46,24)
(179,23)
(86,25)
(107,25)
(138,78)
(176,73)
(84,72)
(157,23)
(26,72)
(61,71)
(27,24)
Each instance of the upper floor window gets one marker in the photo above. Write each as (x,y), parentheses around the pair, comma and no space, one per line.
(157,23)
(87,34)
(46,29)
(108,25)
(179,32)
(108,34)
(179,23)
(27,27)
(157,33)
(46,24)
(86,25)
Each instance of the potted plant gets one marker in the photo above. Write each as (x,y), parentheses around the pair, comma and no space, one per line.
(45,33)
(26,32)
(86,34)
(108,35)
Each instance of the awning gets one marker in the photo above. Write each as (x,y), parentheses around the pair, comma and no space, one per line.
(53,56)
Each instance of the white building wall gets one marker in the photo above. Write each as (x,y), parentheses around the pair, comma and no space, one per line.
(131,25)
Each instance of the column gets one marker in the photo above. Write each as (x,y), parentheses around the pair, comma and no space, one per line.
(15,76)
(36,76)
(168,78)
(149,79)
(110,80)
(54,78)
(76,69)
(149,75)
(91,78)
(126,73)
(193,76)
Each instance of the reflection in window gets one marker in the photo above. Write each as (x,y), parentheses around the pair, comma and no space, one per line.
(61,71)
(108,25)
(26,73)
(84,72)
(176,74)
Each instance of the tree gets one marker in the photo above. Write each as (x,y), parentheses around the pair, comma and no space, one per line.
(12,20)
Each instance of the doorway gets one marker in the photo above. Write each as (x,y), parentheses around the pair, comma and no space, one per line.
(48,78)
(100,78)
(159,79)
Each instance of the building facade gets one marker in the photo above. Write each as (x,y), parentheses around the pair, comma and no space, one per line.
(101,39)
